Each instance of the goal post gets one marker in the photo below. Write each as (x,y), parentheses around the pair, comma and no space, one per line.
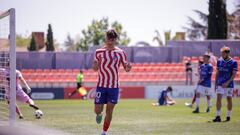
(8,66)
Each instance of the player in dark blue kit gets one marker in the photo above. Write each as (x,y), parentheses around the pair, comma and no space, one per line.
(204,83)
(164,99)
(227,69)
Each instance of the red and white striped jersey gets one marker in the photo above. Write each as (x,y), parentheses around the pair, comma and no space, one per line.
(109,63)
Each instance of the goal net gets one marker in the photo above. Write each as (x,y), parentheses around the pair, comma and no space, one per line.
(7,67)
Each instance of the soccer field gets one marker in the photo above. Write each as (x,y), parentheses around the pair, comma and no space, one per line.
(134,117)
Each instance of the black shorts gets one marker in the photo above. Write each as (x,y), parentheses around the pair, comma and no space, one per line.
(79,85)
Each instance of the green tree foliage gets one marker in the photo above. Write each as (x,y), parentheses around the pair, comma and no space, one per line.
(158,38)
(22,41)
(167,37)
(94,34)
(217,20)
(69,43)
(198,30)
(33,45)
(50,40)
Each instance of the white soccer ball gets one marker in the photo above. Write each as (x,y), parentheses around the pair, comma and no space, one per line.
(38,114)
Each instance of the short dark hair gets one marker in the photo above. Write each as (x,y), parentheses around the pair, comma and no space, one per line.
(169,88)
(112,34)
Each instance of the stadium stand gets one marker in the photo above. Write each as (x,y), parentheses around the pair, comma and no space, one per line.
(141,74)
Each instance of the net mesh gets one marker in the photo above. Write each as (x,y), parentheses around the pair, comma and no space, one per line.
(4,60)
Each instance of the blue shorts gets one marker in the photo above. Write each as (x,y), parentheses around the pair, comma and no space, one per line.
(105,95)
(161,101)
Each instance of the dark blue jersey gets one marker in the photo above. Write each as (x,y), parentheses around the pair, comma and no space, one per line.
(225,71)
(206,74)
(162,98)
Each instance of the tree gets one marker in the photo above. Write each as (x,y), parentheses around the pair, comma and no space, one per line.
(94,35)
(50,41)
(217,20)
(22,41)
(123,38)
(33,45)
(69,43)
(167,37)
(158,38)
(234,24)
(198,30)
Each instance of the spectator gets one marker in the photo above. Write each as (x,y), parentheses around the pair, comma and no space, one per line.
(189,72)
(213,59)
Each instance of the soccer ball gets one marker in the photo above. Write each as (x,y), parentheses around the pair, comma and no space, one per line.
(38,114)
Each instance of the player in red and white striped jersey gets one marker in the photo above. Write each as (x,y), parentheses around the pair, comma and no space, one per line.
(107,62)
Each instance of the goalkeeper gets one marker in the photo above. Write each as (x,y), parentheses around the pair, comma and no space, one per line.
(20,94)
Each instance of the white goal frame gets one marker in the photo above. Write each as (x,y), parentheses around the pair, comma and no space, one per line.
(12,53)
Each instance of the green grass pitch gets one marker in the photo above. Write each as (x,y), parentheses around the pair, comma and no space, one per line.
(134,117)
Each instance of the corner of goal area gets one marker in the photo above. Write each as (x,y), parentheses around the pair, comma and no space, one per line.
(27,128)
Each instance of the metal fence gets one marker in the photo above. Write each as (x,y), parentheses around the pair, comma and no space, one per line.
(78,60)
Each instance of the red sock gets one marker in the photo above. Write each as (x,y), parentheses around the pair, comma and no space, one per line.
(106,126)
(18,111)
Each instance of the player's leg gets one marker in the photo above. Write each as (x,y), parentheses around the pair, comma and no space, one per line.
(23,97)
(186,78)
(112,100)
(229,103)
(209,104)
(197,102)
(98,109)
(218,106)
(75,91)
(208,96)
(198,95)
(191,78)
(229,107)
(194,98)
(32,104)
(172,102)
(100,100)
(108,117)
(18,111)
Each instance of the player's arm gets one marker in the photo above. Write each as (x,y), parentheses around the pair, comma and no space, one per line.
(225,85)
(234,73)
(217,73)
(216,78)
(169,98)
(95,62)
(25,83)
(126,65)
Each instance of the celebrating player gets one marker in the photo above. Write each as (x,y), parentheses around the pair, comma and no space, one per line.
(227,69)
(20,94)
(204,83)
(107,62)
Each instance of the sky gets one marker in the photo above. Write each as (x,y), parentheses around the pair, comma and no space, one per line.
(140,18)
